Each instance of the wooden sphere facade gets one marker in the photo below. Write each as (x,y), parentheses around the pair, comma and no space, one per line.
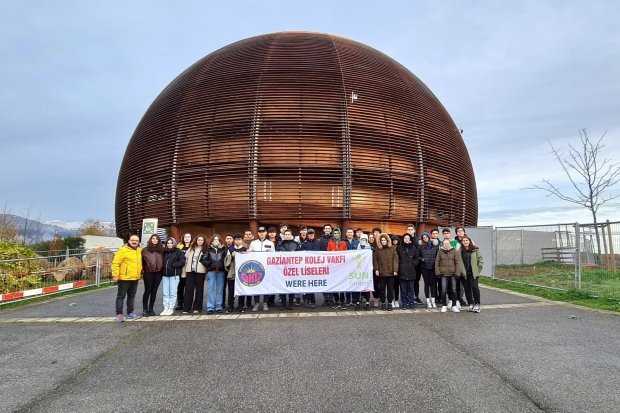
(297,127)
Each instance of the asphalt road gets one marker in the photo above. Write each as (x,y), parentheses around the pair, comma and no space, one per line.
(531,358)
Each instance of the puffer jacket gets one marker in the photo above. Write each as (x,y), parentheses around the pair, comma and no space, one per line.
(291,245)
(314,245)
(189,256)
(152,261)
(385,259)
(173,260)
(127,264)
(213,259)
(471,258)
(428,253)
(408,258)
(448,263)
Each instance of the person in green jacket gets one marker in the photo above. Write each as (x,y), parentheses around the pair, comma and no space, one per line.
(471,266)
(448,265)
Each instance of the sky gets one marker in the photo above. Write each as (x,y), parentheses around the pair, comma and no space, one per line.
(77,76)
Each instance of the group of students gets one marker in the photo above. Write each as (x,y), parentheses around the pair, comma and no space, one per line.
(450,269)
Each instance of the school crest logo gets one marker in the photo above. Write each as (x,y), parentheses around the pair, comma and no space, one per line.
(251,273)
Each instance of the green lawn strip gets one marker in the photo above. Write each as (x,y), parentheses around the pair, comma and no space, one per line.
(578,297)
(47,297)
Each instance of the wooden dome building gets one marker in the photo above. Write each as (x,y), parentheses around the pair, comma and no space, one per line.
(297,127)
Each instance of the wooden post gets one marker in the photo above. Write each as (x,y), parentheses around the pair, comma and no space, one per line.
(175,232)
(254,227)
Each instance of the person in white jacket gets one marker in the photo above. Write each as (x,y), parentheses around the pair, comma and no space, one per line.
(261,244)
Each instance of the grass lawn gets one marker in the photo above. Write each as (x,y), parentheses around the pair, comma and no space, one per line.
(578,297)
(596,282)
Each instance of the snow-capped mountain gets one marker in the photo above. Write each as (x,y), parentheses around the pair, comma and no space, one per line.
(73,226)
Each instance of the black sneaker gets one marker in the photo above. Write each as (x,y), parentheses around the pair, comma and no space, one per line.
(145,313)
(336,306)
(383,307)
(418,301)
(389,307)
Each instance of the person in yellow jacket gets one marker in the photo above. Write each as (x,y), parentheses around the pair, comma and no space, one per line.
(126,272)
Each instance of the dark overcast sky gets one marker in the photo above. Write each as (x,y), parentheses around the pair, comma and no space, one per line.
(77,76)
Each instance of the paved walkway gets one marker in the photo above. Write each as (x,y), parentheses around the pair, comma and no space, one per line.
(520,354)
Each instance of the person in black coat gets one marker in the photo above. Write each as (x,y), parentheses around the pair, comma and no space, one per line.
(408,257)
(310,244)
(428,251)
(288,244)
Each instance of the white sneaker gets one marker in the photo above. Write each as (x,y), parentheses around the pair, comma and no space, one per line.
(471,308)
(449,304)
(458,304)
(477,308)
(395,304)
(255,308)
(428,303)
(444,308)
(165,312)
(433,303)
(265,307)
(170,311)
(455,309)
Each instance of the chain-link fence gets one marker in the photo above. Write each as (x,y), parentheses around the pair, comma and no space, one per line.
(26,274)
(565,256)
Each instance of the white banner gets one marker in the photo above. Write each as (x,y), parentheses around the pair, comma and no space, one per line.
(264,273)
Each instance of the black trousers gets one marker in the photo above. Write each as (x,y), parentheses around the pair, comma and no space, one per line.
(439,290)
(310,298)
(338,297)
(194,291)
(396,287)
(430,283)
(375,282)
(383,283)
(128,289)
(181,292)
(471,289)
(231,293)
(356,296)
(151,285)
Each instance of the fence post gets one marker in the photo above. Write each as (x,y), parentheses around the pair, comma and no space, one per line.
(578,257)
(522,235)
(67,254)
(612,256)
(494,255)
(98,270)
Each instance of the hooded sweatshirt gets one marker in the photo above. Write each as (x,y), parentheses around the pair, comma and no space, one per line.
(174,260)
(336,243)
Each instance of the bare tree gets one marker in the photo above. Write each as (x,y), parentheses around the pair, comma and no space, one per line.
(8,228)
(590,176)
(27,227)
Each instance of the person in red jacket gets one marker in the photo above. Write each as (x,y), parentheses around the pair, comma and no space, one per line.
(338,244)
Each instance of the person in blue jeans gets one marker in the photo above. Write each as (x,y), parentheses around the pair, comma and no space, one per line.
(213,260)
(173,263)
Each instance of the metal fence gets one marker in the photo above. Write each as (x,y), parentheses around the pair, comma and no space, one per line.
(564,256)
(25,274)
